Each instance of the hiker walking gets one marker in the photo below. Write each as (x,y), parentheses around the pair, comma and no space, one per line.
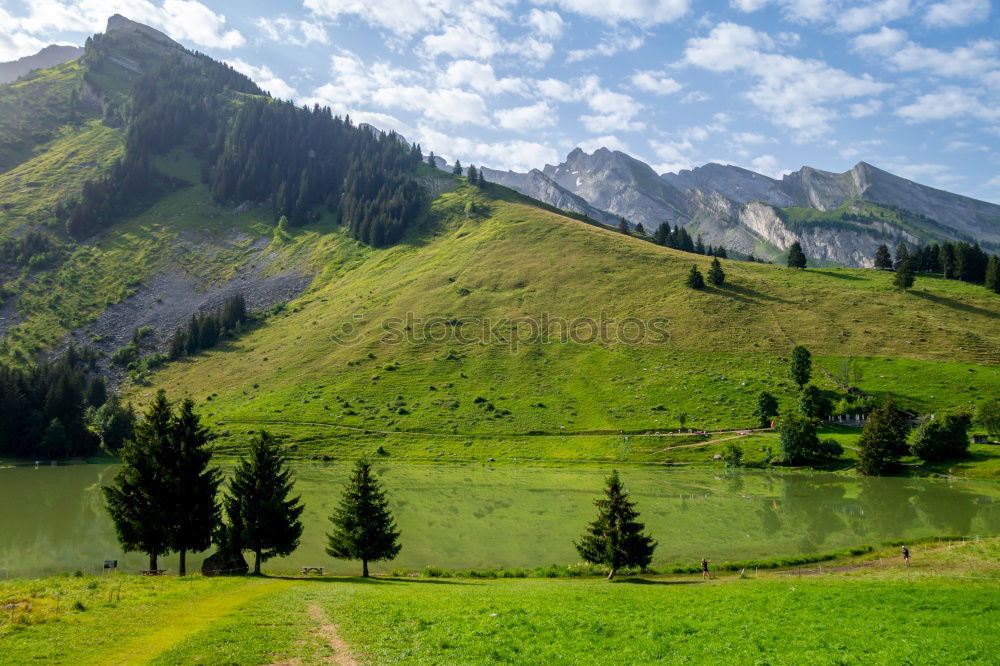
(906,555)
(704,568)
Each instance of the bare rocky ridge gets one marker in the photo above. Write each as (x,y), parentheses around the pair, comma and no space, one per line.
(54,54)
(740,209)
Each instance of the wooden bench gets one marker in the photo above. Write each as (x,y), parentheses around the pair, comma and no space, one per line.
(154,572)
(315,570)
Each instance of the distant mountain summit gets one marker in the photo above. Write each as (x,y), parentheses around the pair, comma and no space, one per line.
(837,217)
(51,55)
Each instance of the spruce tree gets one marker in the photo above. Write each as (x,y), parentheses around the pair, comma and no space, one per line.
(796,257)
(695,279)
(457,169)
(364,528)
(801,366)
(662,233)
(766,410)
(431,160)
(195,485)
(903,279)
(883,261)
(259,497)
(992,280)
(139,497)
(902,255)
(623,225)
(716,276)
(616,538)
(472,174)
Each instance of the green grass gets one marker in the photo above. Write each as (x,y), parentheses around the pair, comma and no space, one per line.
(869,610)
(513,260)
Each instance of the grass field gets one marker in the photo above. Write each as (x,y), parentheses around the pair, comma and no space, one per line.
(866,609)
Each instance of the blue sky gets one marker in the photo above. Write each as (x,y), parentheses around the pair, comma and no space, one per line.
(911,86)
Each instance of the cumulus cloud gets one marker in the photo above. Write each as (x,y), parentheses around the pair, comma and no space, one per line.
(795,92)
(481,78)
(867,15)
(657,83)
(526,118)
(609,141)
(952,13)
(184,20)
(265,78)
(796,10)
(975,59)
(546,23)
(642,12)
(613,111)
(769,166)
(947,103)
(607,47)
(291,31)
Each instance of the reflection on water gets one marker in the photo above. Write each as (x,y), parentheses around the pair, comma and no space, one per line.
(52,518)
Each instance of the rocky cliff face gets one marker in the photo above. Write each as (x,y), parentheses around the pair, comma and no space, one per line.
(740,209)
(537,185)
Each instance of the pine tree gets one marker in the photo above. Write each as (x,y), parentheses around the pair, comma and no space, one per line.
(992,279)
(716,276)
(259,495)
(472,174)
(801,366)
(904,275)
(902,255)
(662,233)
(457,169)
(364,528)
(699,246)
(623,225)
(639,229)
(139,497)
(195,485)
(616,538)
(796,258)
(431,160)
(883,261)
(766,410)
(882,440)
(695,279)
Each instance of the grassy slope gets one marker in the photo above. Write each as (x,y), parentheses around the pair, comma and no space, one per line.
(514,260)
(942,609)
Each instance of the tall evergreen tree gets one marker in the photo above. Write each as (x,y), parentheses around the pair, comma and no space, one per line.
(903,279)
(259,496)
(623,225)
(883,260)
(195,485)
(796,257)
(457,169)
(364,528)
(431,160)
(992,279)
(662,234)
(695,280)
(139,497)
(616,539)
(801,366)
(716,276)
(902,255)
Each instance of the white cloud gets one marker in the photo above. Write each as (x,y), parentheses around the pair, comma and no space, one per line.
(951,13)
(657,83)
(291,31)
(405,17)
(265,78)
(958,146)
(526,118)
(865,109)
(978,59)
(546,23)
(481,78)
(514,155)
(607,47)
(947,103)
(769,166)
(613,111)
(868,15)
(748,138)
(610,141)
(794,92)
(796,10)
(184,20)
(694,97)
(557,90)
(642,12)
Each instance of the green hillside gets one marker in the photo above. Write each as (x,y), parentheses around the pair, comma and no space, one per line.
(493,256)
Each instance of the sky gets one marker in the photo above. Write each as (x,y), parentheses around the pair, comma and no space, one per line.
(911,86)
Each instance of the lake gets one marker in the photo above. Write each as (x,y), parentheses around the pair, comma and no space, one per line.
(52,519)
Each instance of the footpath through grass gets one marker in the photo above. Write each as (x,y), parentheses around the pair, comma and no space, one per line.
(867,609)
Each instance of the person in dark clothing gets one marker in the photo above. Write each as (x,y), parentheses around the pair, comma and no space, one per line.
(704,568)
(906,555)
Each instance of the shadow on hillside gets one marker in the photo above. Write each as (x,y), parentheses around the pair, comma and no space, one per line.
(374,580)
(840,276)
(647,581)
(952,303)
(745,294)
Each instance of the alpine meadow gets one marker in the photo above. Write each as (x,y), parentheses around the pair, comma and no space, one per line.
(314,350)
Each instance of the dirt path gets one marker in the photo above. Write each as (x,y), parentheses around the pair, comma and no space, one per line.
(187,619)
(341,650)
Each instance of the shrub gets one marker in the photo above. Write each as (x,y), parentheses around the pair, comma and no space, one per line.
(942,438)
(733,455)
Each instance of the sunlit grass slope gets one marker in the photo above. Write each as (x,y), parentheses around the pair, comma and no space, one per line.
(494,257)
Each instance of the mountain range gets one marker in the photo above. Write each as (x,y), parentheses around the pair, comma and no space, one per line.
(53,54)
(840,218)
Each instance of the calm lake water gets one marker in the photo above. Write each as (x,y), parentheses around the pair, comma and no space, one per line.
(52,519)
